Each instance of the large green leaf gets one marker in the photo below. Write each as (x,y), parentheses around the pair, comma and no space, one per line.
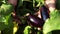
(53,23)
(6,22)
(7,27)
(6,9)
(5,16)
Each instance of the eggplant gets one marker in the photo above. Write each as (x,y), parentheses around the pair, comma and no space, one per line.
(34,20)
(44,12)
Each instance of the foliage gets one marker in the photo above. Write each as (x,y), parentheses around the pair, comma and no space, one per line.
(10,24)
(52,23)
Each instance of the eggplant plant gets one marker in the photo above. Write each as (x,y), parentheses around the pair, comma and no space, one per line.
(13,19)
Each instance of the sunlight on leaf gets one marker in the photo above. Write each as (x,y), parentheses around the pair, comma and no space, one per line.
(15,28)
(52,23)
(26,31)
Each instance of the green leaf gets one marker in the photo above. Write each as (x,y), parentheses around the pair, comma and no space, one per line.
(27,29)
(6,9)
(4,1)
(1,3)
(40,3)
(8,30)
(23,12)
(1,0)
(53,23)
(26,0)
(6,23)
(20,3)
(39,32)
(58,4)
(5,16)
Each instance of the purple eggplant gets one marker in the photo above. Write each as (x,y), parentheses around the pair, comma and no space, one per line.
(35,21)
(44,12)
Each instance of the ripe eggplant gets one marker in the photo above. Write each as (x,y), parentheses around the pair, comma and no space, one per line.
(44,12)
(35,21)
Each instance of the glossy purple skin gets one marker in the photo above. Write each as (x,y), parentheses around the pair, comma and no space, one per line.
(35,21)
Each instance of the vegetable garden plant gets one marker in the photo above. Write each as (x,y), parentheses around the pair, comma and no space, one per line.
(20,17)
